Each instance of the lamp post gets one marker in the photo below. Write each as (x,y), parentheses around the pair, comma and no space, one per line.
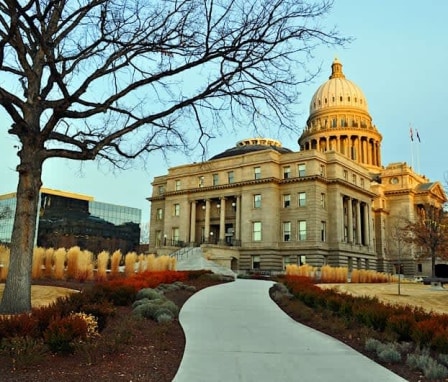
(164,240)
(211,237)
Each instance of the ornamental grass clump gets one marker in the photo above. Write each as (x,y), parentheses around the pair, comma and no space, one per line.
(4,262)
(38,263)
(304,270)
(115,263)
(102,262)
(48,261)
(60,256)
(130,260)
(84,266)
(72,262)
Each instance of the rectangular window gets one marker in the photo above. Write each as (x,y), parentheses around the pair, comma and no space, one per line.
(286,231)
(354,179)
(231,177)
(215,179)
(161,190)
(301,259)
(175,235)
(201,181)
(302,229)
(302,199)
(257,201)
(323,231)
(286,172)
(286,200)
(345,175)
(159,214)
(301,170)
(176,209)
(255,262)
(256,231)
(362,182)
(257,172)
(322,200)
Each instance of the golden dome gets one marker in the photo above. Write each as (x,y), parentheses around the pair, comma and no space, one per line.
(338,92)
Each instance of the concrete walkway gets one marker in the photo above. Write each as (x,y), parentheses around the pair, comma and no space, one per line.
(235,332)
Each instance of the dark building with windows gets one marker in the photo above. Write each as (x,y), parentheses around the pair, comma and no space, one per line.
(66,219)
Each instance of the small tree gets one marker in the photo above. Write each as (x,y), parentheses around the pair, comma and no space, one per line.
(398,241)
(430,233)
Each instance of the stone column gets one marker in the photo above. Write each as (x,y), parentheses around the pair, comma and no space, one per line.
(358,222)
(350,220)
(366,224)
(238,221)
(369,152)
(222,222)
(207,221)
(193,222)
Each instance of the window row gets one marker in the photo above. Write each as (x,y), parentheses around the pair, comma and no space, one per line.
(230,177)
(287,231)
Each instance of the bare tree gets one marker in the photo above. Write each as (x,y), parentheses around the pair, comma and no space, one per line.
(398,242)
(114,79)
(430,232)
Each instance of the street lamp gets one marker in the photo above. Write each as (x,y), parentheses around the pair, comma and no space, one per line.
(164,240)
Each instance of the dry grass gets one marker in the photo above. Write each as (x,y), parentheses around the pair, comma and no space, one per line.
(115,263)
(413,294)
(38,262)
(101,266)
(4,262)
(60,256)
(129,263)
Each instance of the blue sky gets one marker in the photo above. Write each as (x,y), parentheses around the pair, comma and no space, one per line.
(398,58)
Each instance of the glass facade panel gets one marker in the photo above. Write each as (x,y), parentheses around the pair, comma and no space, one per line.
(67,221)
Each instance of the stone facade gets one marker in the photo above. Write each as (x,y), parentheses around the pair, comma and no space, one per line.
(261,206)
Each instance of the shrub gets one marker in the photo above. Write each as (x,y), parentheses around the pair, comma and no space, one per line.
(20,325)
(62,331)
(23,351)
(148,293)
(372,344)
(164,317)
(424,331)
(435,370)
(389,353)
(402,325)
(418,360)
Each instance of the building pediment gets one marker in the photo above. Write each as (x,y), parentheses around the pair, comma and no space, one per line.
(434,189)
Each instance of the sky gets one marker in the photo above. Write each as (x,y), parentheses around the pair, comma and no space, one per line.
(398,58)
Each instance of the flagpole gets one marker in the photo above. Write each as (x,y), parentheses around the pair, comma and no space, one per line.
(418,151)
(411,134)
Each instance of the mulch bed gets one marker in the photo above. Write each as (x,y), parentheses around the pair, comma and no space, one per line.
(128,350)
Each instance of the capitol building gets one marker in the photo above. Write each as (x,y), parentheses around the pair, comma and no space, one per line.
(260,206)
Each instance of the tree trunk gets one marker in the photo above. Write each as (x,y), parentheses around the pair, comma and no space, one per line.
(17,292)
(433,264)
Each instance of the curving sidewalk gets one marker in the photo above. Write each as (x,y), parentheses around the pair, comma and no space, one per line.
(235,332)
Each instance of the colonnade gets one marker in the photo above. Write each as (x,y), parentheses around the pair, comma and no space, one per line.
(206,205)
(355,227)
(363,150)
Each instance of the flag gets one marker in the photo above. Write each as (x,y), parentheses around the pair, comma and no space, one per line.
(411,133)
(418,136)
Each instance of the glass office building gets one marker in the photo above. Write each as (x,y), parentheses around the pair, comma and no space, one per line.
(66,219)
